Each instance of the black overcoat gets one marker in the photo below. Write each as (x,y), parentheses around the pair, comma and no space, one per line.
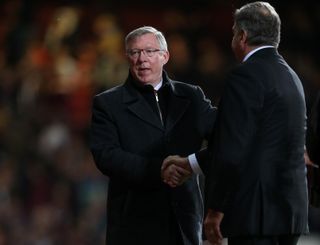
(129,143)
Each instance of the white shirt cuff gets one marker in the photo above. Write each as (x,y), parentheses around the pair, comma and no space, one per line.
(194,164)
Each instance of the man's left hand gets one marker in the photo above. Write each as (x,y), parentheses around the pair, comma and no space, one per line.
(212,227)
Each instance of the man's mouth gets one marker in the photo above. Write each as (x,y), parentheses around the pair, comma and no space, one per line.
(143,70)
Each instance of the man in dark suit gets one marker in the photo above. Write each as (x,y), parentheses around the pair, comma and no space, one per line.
(134,127)
(256,190)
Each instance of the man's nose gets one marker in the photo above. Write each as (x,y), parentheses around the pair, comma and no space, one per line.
(142,55)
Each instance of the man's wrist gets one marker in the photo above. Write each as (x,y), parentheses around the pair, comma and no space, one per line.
(194,164)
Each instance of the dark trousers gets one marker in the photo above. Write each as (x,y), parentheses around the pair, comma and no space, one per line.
(266,240)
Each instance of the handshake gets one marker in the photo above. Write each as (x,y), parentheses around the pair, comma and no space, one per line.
(175,170)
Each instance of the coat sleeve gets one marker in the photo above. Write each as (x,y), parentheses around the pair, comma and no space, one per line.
(111,159)
(207,113)
(207,117)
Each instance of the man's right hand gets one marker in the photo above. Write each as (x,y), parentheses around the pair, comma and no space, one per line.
(175,170)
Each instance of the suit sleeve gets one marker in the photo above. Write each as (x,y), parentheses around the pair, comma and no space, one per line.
(207,118)
(131,169)
(207,114)
(234,136)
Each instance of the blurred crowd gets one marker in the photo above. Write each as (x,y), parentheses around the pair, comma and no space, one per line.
(55,55)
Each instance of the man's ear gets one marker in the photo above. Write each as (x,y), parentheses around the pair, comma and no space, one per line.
(243,39)
(166,56)
(243,36)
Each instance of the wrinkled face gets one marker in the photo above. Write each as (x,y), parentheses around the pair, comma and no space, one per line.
(146,60)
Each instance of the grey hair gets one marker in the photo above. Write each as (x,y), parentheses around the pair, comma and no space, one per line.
(261,22)
(145,30)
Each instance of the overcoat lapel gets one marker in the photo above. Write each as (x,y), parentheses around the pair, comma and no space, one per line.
(178,106)
(139,107)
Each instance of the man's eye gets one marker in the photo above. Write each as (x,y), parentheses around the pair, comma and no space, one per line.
(149,51)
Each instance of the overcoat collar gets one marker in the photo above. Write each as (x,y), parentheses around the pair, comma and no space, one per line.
(177,104)
(264,53)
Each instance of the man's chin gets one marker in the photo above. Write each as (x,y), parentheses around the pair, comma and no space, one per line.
(144,80)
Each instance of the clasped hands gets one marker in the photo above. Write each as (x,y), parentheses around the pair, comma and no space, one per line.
(175,170)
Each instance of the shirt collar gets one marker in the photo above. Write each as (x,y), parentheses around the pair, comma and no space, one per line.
(158,86)
(255,50)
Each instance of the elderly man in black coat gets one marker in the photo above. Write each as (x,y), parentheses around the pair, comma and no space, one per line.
(134,127)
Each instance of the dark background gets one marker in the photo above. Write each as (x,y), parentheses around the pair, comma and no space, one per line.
(55,55)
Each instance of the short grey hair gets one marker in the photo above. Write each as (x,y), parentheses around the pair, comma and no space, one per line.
(261,22)
(145,30)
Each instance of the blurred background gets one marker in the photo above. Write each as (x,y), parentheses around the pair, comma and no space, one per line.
(55,55)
